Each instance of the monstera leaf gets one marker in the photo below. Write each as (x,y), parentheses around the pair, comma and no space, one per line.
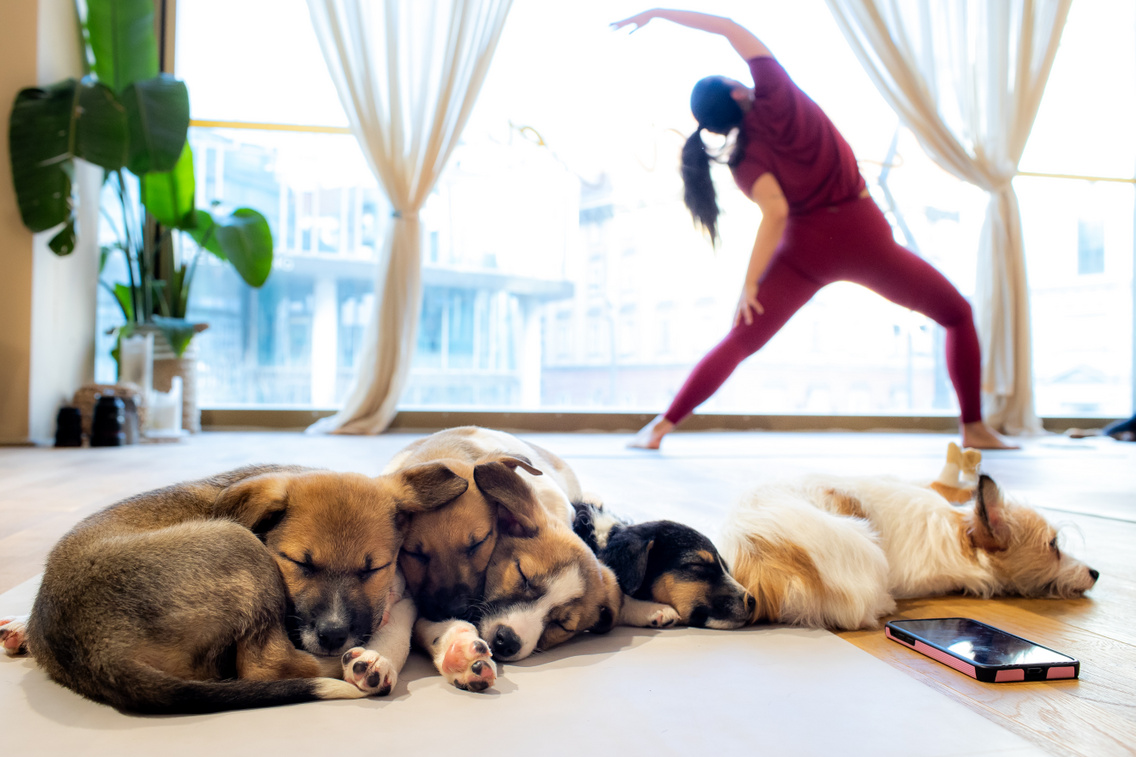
(123,43)
(48,128)
(125,114)
(168,196)
(241,237)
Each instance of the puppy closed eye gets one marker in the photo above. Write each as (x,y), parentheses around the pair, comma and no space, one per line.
(368,571)
(476,543)
(306,566)
(1053,546)
(700,568)
(420,557)
(525,584)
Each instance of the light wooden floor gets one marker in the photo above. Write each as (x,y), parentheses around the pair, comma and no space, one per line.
(1089,486)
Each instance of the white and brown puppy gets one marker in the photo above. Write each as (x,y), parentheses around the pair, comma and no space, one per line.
(246,589)
(837,552)
(503,555)
(670,573)
(544,587)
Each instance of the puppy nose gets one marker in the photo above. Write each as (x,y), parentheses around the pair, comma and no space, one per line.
(506,643)
(332,636)
(1095,574)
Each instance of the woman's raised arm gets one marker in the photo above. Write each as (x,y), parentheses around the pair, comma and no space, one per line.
(747,45)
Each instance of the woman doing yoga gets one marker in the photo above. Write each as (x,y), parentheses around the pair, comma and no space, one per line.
(818,225)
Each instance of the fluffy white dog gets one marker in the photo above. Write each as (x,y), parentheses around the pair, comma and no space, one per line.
(837,552)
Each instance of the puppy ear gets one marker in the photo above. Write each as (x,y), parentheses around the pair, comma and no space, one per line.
(427,487)
(258,503)
(626,554)
(990,531)
(518,512)
(513,462)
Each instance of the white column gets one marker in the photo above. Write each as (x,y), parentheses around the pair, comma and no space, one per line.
(325,344)
(529,356)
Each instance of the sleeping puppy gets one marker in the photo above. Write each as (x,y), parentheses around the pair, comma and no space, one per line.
(446,561)
(240,590)
(503,555)
(446,553)
(669,572)
(542,587)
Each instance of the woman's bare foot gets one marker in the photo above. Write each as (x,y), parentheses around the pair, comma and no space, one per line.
(980,436)
(651,435)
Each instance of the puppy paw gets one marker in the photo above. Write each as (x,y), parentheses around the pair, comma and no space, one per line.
(13,635)
(664,617)
(467,664)
(369,671)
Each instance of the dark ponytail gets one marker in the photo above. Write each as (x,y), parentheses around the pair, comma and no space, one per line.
(713,106)
(698,187)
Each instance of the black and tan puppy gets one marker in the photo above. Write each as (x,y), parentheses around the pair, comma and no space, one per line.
(177,600)
(670,573)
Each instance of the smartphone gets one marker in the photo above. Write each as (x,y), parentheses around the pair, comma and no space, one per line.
(982,652)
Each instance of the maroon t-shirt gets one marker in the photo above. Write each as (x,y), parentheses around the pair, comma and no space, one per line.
(789,136)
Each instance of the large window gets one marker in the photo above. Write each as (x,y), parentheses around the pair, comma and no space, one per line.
(561,270)
(1078,231)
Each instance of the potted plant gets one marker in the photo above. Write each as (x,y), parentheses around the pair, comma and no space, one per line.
(132,121)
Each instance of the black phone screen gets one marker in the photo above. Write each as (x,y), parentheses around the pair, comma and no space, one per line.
(980,643)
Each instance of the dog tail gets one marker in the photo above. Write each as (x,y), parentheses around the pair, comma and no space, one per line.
(195,697)
(139,688)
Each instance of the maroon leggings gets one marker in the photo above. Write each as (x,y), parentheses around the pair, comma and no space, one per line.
(848,242)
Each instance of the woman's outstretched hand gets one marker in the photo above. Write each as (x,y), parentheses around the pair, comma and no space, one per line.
(639,19)
(748,306)
(747,45)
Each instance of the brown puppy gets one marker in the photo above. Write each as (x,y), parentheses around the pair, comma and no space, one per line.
(176,600)
(444,561)
(446,553)
(518,506)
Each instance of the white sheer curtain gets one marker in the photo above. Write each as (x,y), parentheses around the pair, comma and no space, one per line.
(966,76)
(408,73)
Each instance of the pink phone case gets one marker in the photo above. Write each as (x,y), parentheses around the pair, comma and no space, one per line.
(988,674)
